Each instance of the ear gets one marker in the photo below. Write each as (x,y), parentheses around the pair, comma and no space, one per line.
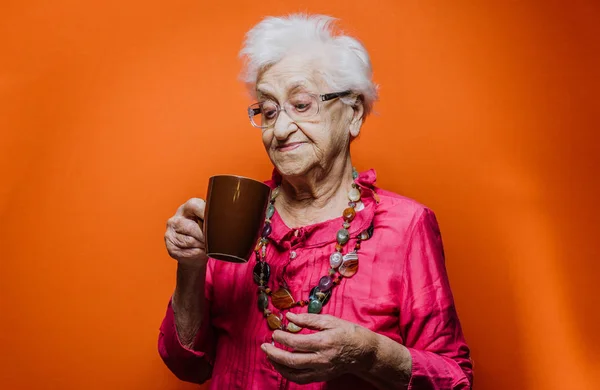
(357,117)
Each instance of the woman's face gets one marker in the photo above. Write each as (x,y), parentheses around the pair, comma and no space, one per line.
(296,147)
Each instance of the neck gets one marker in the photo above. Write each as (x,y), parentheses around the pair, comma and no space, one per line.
(316,197)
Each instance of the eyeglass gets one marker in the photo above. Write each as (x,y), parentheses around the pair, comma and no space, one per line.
(299,107)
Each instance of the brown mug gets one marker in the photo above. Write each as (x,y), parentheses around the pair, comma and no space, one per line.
(234,216)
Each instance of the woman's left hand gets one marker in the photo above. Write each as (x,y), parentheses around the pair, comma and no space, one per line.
(337,348)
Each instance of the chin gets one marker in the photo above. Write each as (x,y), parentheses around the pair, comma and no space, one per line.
(292,168)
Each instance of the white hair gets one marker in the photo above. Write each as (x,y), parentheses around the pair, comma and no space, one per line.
(348,63)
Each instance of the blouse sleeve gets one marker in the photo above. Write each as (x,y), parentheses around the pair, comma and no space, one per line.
(189,364)
(428,319)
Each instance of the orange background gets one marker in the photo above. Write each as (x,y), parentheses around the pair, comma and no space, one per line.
(115,112)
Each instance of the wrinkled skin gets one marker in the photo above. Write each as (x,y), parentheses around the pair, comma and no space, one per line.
(338,347)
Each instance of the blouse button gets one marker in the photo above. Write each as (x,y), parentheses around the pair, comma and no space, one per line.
(292,255)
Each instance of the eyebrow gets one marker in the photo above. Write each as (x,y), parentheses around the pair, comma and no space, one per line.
(290,89)
(261,93)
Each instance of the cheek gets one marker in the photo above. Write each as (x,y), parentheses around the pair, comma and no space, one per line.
(328,134)
(267,138)
(317,133)
(337,126)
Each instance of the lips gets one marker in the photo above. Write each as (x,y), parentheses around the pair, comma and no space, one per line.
(289,146)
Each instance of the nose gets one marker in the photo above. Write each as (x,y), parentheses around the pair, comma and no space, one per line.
(284,126)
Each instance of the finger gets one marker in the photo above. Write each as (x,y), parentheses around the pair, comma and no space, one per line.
(190,253)
(182,241)
(301,376)
(193,208)
(186,227)
(296,360)
(300,342)
(290,372)
(313,321)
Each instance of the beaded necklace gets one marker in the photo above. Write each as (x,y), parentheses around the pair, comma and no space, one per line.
(342,266)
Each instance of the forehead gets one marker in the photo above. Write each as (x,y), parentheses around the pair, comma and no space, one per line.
(293,72)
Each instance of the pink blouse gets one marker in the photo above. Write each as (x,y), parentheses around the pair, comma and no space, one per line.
(401,290)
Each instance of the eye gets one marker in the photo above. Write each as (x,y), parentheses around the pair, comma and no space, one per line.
(302,103)
(302,106)
(269,110)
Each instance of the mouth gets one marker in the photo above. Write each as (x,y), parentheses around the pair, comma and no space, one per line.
(289,146)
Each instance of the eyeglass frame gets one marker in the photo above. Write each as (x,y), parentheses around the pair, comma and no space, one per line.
(252,112)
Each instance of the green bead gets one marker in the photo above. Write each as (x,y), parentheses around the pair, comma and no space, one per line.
(343,236)
(270,211)
(315,306)
(274,193)
(291,327)
(354,174)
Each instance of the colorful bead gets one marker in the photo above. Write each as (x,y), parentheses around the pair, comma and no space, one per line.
(282,299)
(263,301)
(335,259)
(325,283)
(270,211)
(316,294)
(315,306)
(274,193)
(359,206)
(338,247)
(343,236)
(354,195)
(291,327)
(350,256)
(349,214)
(274,322)
(346,225)
(348,268)
(261,272)
(262,242)
(267,230)
(354,174)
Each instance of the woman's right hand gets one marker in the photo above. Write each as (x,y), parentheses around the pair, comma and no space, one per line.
(184,238)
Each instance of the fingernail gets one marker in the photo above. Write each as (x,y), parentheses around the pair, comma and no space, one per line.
(263,347)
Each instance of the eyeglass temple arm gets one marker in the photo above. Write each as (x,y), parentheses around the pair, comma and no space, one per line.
(253,111)
(329,96)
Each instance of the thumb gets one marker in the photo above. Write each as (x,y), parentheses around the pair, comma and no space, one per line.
(312,321)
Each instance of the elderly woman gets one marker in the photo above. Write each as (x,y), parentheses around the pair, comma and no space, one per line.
(348,289)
